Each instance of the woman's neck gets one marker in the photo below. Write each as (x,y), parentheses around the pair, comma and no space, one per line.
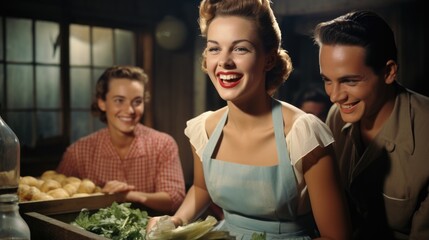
(250,115)
(121,141)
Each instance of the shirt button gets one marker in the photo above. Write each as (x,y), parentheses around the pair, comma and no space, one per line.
(390,147)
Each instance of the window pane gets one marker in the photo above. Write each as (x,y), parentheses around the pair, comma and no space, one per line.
(18,40)
(22,125)
(47,42)
(102,46)
(96,74)
(80,91)
(80,124)
(124,47)
(20,86)
(49,124)
(48,87)
(79,45)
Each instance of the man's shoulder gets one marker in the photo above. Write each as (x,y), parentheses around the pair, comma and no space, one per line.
(418,101)
(414,105)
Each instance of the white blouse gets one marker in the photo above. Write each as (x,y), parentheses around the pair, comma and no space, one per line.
(307,133)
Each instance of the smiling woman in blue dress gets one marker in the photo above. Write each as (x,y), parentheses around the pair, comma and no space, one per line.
(266,163)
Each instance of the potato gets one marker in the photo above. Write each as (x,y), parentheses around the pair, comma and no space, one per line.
(72,180)
(49,184)
(58,193)
(86,186)
(29,180)
(41,196)
(70,188)
(23,187)
(97,189)
(33,191)
(59,177)
(22,192)
(48,174)
(39,183)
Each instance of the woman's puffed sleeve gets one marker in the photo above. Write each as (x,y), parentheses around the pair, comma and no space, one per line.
(196,132)
(307,133)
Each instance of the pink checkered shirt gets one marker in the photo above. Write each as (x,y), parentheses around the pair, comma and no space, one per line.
(152,164)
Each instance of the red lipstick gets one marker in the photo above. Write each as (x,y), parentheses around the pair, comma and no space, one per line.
(228,84)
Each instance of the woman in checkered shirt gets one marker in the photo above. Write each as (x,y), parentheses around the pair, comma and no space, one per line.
(127,156)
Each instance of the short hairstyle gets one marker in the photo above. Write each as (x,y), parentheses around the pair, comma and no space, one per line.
(360,28)
(132,73)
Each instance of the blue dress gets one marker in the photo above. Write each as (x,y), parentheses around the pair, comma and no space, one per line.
(257,199)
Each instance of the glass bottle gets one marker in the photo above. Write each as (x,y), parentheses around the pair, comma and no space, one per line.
(9,160)
(12,225)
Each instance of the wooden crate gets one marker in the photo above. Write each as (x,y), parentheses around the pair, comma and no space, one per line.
(67,205)
(44,227)
(50,219)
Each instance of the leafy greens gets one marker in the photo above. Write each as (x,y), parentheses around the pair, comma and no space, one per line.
(261,236)
(117,222)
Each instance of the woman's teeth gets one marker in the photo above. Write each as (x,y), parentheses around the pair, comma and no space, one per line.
(229,77)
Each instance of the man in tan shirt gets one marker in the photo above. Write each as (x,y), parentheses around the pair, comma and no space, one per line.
(380,128)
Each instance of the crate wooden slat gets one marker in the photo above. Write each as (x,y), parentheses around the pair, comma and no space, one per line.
(50,219)
(43,227)
(67,205)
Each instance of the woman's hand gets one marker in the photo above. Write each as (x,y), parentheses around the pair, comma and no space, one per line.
(153,222)
(115,186)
